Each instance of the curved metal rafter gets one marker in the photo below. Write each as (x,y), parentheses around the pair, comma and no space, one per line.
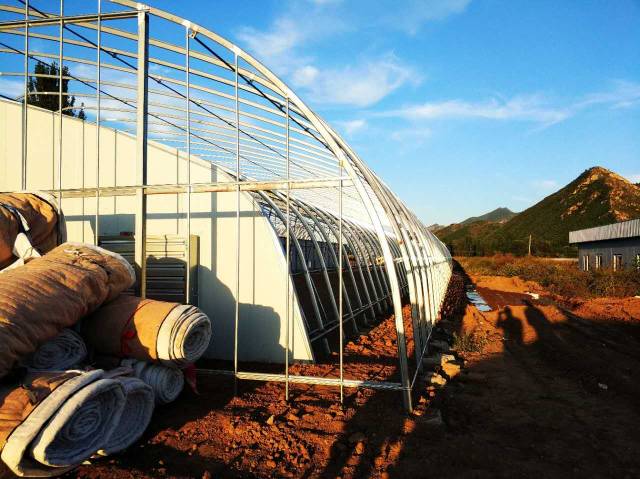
(210,99)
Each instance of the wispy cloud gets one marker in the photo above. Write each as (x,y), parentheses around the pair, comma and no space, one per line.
(350,127)
(528,108)
(282,46)
(361,84)
(281,38)
(411,17)
(415,135)
(622,94)
(534,108)
(318,19)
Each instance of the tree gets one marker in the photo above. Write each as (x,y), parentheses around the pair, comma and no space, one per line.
(47,81)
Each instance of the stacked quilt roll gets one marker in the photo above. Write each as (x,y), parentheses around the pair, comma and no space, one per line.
(65,351)
(166,382)
(34,215)
(135,416)
(53,417)
(52,422)
(53,292)
(169,333)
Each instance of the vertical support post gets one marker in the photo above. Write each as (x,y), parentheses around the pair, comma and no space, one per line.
(60,102)
(237,288)
(288,253)
(98,87)
(25,102)
(188,241)
(341,285)
(141,151)
(393,279)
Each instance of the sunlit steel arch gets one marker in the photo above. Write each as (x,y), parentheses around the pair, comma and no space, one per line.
(410,260)
(351,164)
(381,206)
(394,205)
(329,221)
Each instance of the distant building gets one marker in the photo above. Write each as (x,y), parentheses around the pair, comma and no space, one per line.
(614,246)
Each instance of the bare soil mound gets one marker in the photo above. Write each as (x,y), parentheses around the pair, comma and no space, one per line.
(504,284)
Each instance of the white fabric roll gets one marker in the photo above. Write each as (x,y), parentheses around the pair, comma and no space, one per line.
(81,426)
(135,418)
(166,382)
(67,427)
(65,351)
(184,336)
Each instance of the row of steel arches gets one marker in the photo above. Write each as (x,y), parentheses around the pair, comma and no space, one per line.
(314,254)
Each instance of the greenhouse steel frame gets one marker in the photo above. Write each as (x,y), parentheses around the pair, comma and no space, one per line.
(191,88)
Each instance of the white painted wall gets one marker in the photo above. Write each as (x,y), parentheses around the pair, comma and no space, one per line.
(261,334)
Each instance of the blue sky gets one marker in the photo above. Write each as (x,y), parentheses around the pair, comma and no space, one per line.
(461,106)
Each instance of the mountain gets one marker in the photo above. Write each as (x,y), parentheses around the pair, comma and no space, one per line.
(463,239)
(472,229)
(596,197)
(476,225)
(435,227)
(499,215)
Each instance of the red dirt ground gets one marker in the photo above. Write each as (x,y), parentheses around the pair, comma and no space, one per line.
(552,393)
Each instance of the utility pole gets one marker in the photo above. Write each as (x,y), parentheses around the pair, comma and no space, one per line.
(529,244)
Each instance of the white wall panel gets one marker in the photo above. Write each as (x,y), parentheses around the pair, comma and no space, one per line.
(213,219)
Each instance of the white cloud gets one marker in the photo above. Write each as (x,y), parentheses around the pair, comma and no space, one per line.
(361,84)
(281,46)
(314,20)
(414,135)
(528,108)
(305,75)
(622,94)
(283,36)
(350,127)
(412,16)
(533,108)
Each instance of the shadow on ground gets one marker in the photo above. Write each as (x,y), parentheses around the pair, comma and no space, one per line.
(552,394)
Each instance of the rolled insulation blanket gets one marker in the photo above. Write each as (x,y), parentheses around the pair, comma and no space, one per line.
(54,421)
(53,292)
(135,417)
(66,351)
(37,216)
(167,382)
(149,330)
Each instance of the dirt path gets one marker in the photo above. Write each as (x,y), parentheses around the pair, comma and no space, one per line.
(553,393)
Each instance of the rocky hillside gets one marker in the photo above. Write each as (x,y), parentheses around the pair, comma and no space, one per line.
(499,215)
(476,225)
(598,196)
